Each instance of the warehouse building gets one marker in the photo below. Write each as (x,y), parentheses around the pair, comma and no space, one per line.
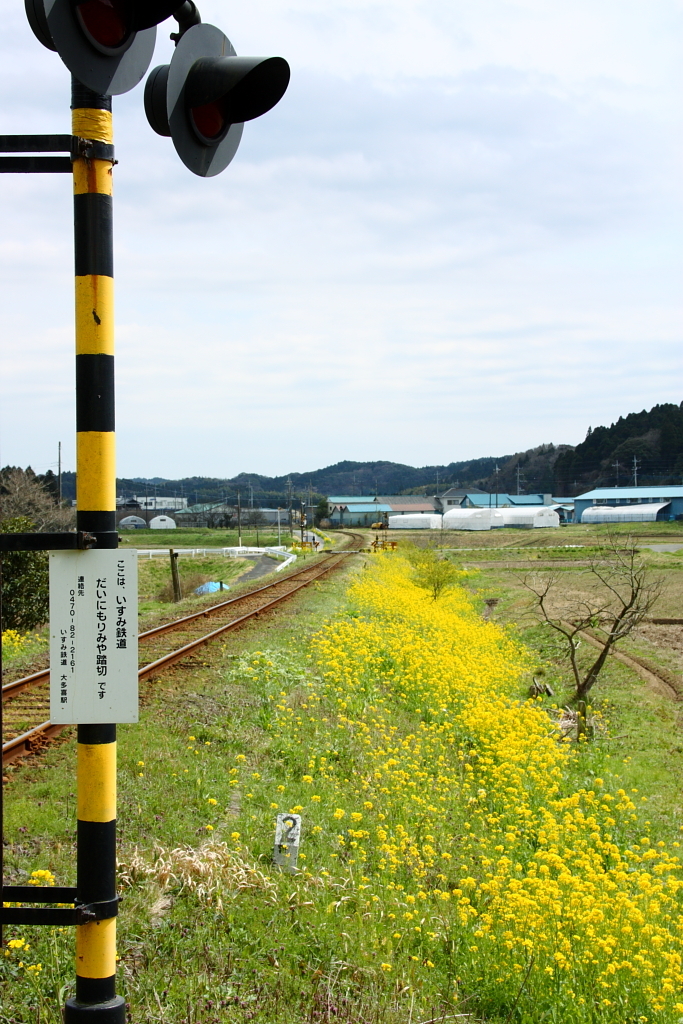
(346,510)
(630,504)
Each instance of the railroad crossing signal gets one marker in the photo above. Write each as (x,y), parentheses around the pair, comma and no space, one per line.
(201,100)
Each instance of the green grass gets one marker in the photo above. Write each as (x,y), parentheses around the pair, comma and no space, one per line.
(155,584)
(188,537)
(590,535)
(273,951)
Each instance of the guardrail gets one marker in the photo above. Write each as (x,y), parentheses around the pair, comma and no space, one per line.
(234,552)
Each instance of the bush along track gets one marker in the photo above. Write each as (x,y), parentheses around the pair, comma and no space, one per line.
(450,865)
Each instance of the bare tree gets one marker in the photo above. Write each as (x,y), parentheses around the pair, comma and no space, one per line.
(22,495)
(254,518)
(624,593)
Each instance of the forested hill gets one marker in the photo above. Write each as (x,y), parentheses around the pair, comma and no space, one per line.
(606,457)
(347,478)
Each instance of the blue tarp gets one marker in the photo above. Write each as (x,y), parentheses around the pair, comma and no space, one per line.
(211,588)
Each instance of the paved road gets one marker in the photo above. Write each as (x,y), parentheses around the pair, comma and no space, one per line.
(666,548)
(262,566)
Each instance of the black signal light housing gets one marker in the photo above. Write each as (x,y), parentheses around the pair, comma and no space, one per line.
(106,44)
(202,99)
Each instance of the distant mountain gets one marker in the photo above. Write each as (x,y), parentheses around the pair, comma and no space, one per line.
(646,447)
(605,458)
(344,478)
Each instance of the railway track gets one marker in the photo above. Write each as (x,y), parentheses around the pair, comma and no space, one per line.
(26,702)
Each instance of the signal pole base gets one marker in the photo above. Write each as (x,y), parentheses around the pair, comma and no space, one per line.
(113,1011)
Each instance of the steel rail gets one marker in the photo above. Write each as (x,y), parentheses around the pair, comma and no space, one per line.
(21,745)
(26,682)
(182,652)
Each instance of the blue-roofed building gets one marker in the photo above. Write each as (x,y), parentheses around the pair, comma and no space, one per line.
(481,499)
(356,513)
(355,510)
(669,496)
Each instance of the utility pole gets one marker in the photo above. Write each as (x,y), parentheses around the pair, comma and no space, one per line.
(291,509)
(279,537)
(497,485)
(59,472)
(239,520)
(518,490)
(616,466)
(635,471)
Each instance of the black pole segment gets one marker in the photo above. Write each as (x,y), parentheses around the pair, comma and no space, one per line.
(35,165)
(93,232)
(95,392)
(35,143)
(82,96)
(46,541)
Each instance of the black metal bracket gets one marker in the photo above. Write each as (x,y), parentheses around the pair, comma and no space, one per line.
(75,146)
(90,149)
(80,541)
(80,913)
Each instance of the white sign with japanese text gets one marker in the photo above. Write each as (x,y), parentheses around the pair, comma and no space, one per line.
(93,636)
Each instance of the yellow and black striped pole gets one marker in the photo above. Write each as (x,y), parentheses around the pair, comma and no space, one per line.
(96,998)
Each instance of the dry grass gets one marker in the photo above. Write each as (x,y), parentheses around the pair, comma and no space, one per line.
(211,871)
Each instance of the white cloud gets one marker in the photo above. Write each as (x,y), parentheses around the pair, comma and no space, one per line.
(458,235)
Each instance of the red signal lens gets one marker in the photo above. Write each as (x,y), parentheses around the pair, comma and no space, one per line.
(209,120)
(105,22)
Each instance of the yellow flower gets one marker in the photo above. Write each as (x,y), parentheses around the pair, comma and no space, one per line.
(386,967)
(209,828)
(307,778)
(211,800)
(339,813)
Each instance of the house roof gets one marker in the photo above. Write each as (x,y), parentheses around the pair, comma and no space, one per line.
(485,500)
(371,506)
(415,506)
(413,502)
(194,510)
(526,499)
(346,499)
(619,494)
(460,492)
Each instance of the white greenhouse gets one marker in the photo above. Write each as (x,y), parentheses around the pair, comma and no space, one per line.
(642,513)
(162,523)
(472,518)
(416,521)
(132,523)
(531,518)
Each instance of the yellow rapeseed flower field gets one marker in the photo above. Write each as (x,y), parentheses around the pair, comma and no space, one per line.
(447,806)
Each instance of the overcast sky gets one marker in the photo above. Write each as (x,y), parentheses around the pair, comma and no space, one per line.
(459,234)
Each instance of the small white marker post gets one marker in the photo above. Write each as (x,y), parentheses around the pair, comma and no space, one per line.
(287,839)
